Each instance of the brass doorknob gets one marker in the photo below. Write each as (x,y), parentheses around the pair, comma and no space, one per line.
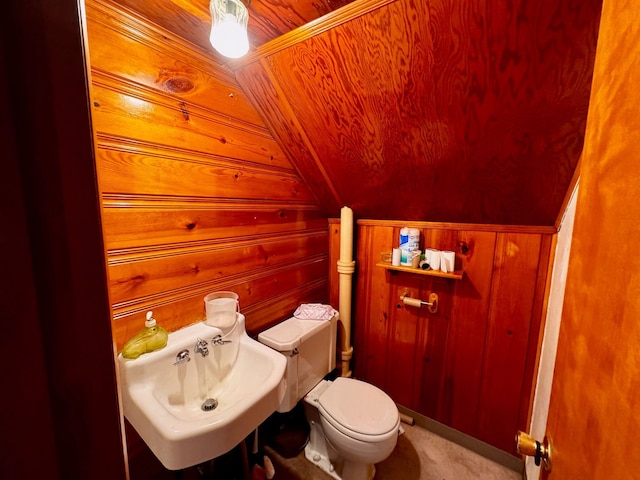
(530,447)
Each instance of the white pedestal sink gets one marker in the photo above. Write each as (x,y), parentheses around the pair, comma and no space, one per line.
(163,400)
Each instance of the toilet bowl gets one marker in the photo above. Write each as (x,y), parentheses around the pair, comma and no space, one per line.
(353,424)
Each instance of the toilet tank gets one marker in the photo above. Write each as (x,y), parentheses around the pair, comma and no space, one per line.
(310,349)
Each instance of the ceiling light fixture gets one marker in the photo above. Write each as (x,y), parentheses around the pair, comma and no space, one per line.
(229,27)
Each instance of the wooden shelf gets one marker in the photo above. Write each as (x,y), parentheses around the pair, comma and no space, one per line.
(455,275)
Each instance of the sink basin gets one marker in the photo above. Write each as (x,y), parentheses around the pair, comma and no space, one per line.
(164,401)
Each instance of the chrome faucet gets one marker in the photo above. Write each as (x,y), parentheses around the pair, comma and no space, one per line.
(182,357)
(201,347)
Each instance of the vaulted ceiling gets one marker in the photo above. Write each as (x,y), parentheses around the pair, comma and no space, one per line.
(434,110)
(190,19)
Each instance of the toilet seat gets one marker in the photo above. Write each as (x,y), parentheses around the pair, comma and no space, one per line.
(359,410)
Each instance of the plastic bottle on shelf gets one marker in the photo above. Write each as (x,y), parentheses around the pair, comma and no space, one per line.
(409,241)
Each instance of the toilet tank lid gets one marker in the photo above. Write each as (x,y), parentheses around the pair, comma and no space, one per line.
(290,333)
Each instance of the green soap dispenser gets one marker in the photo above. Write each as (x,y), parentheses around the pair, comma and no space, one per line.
(153,337)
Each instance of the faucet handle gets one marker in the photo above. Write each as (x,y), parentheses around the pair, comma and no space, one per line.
(217,340)
(182,357)
(201,347)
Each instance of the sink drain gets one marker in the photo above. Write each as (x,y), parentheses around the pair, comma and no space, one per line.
(209,404)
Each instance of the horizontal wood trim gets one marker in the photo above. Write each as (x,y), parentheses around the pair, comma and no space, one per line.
(155,63)
(135,89)
(127,22)
(267,313)
(137,115)
(163,202)
(179,270)
(342,15)
(252,287)
(130,145)
(168,251)
(259,285)
(260,297)
(145,174)
(147,227)
(478,227)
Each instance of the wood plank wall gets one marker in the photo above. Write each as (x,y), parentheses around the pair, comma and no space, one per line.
(196,194)
(471,365)
(433,110)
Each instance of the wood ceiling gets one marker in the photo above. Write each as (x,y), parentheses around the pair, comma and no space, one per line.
(190,19)
(435,110)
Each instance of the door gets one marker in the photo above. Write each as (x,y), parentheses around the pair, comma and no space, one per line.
(60,417)
(594,414)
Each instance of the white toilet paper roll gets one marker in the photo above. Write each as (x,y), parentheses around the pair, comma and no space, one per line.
(395,257)
(412,302)
(447,261)
(433,258)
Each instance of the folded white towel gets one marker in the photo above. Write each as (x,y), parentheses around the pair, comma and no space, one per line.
(314,311)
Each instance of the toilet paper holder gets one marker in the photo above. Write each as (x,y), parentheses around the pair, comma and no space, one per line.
(431,304)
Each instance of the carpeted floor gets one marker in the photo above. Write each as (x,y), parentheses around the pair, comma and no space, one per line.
(419,455)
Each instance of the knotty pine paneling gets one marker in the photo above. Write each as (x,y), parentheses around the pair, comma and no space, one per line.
(159,60)
(513,289)
(372,302)
(436,110)
(463,375)
(130,112)
(149,170)
(278,112)
(196,194)
(267,19)
(151,273)
(470,365)
(266,297)
(538,319)
(140,224)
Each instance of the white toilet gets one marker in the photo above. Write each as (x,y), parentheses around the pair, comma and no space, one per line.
(354,424)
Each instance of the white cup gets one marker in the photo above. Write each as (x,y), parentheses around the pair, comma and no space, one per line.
(221,309)
(447,261)
(415,258)
(432,257)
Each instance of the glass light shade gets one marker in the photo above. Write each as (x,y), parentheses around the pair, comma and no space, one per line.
(229,27)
